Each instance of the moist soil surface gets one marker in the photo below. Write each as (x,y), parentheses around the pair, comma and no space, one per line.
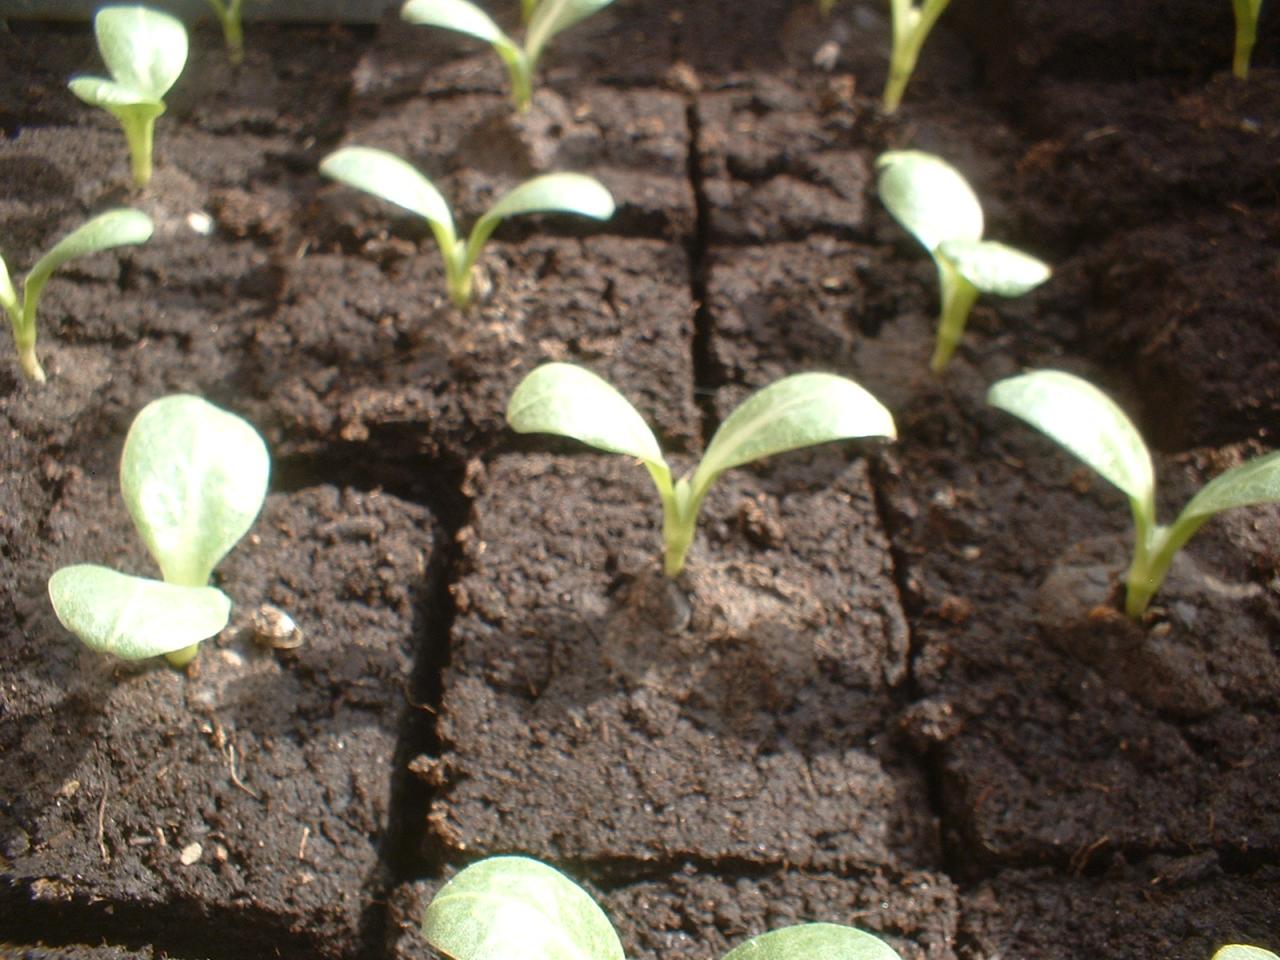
(892,687)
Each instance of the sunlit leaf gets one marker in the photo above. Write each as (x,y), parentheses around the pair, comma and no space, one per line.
(1086,421)
(133,617)
(796,411)
(814,941)
(568,400)
(144,49)
(1254,481)
(458,15)
(194,478)
(995,268)
(928,197)
(386,176)
(513,908)
(111,229)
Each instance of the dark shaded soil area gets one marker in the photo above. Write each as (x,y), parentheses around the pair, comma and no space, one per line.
(890,688)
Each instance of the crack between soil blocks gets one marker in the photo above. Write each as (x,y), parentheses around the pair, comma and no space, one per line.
(704,381)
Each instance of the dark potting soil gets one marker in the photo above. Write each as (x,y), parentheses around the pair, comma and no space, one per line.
(891,688)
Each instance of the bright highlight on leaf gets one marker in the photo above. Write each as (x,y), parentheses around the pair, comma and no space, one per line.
(935,204)
(390,178)
(514,908)
(545,19)
(1239,951)
(145,51)
(111,229)
(797,411)
(1090,425)
(194,478)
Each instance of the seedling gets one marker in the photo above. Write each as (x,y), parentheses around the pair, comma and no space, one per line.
(911,25)
(935,203)
(145,51)
(193,478)
(1239,951)
(545,18)
(514,908)
(1088,423)
(386,176)
(797,411)
(228,14)
(111,229)
(1246,34)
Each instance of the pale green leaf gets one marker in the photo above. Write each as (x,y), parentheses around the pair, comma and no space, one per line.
(1240,951)
(194,478)
(107,94)
(557,193)
(1087,422)
(8,296)
(144,49)
(133,617)
(797,411)
(928,197)
(553,16)
(1254,481)
(114,228)
(995,268)
(457,15)
(814,941)
(568,400)
(550,193)
(386,176)
(514,908)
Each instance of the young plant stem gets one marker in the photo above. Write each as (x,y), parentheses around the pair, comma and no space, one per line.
(958,298)
(526,10)
(139,133)
(27,358)
(180,659)
(1246,36)
(1152,556)
(911,25)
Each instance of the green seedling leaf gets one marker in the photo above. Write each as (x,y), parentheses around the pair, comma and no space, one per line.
(1246,13)
(935,204)
(133,617)
(1253,482)
(513,908)
(802,410)
(385,175)
(929,197)
(111,229)
(814,941)
(457,15)
(794,412)
(1240,951)
(1089,424)
(550,193)
(568,400)
(145,51)
(194,478)
(995,268)
(545,20)
(555,16)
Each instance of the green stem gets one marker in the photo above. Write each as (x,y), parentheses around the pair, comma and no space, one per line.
(1246,36)
(139,133)
(958,297)
(179,659)
(1153,554)
(24,339)
(911,25)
